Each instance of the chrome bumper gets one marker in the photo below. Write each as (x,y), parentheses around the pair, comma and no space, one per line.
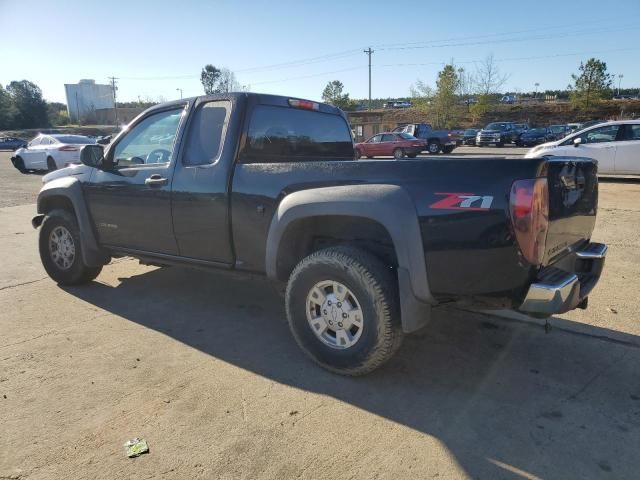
(558,290)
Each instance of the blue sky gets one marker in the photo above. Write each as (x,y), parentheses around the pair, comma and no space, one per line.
(296,47)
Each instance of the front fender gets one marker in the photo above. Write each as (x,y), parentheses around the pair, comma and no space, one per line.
(391,207)
(70,189)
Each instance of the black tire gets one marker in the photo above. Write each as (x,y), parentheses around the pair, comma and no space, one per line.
(77,273)
(433,147)
(19,164)
(375,288)
(448,149)
(51,164)
(358,154)
(398,154)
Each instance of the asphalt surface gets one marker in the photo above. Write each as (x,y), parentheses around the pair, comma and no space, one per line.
(202,366)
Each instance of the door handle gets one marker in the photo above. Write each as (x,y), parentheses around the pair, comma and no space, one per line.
(156,180)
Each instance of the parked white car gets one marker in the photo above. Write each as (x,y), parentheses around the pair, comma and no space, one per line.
(50,152)
(615,145)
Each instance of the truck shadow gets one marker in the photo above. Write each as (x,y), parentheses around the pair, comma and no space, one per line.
(505,399)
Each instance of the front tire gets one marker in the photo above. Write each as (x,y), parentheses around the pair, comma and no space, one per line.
(51,164)
(344,283)
(398,154)
(20,165)
(61,249)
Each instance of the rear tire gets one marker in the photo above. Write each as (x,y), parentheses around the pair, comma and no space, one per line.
(51,164)
(364,293)
(398,154)
(61,249)
(433,148)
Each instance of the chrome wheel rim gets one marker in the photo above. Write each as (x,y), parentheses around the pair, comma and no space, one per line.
(62,247)
(334,314)
(434,147)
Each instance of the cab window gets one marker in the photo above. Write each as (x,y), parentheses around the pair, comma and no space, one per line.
(35,142)
(388,138)
(282,134)
(607,133)
(150,141)
(206,133)
(375,139)
(633,132)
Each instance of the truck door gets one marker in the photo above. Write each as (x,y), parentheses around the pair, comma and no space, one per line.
(130,200)
(200,201)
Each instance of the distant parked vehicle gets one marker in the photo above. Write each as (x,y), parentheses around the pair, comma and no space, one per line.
(437,140)
(11,143)
(533,136)
(556,132)
(615,145)
(497,133)
(402,105)
(574,127)
(50,152)
(397,145)
(508,99)
(469,136)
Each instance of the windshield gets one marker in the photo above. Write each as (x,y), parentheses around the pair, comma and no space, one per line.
(470,131)
(496,126)
(406,136)
(537,131)
(557,128)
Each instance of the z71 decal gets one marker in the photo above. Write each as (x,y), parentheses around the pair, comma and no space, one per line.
(463,201)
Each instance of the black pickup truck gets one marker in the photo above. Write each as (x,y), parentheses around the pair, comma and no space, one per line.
(367,249)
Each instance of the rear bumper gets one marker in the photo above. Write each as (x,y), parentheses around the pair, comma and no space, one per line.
(566,285)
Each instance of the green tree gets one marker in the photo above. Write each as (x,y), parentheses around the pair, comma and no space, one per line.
(333,95)
(57,113)
(479,110)
(591,83)
(445,99)
(7,110)
(31,109)
(209,78)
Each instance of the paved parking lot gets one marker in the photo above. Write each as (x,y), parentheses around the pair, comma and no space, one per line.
(203,367)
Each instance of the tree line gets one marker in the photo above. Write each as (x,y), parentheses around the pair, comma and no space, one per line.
(457,88)
(22,106)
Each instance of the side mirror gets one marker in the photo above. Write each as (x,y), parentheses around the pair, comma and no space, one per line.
(577,141)
(92,155)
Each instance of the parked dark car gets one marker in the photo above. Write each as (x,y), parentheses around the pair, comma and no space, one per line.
(437,140)
(556,132)
(498,134)
(533,136)
(469,136)
(268,185)
(12,143)
(387,144)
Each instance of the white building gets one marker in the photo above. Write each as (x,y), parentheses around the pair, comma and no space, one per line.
(85,97)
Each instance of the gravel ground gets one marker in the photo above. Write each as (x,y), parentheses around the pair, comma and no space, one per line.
(203,367)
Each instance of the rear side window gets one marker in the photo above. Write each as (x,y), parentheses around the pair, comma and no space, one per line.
(633,132)
(206,133)
(280,134)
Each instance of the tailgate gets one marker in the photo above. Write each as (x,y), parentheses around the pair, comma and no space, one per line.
(573,202)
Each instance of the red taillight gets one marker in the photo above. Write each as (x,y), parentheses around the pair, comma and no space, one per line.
(529,204)
(68,148)
(305,104)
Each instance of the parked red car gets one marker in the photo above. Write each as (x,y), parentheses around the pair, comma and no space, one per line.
(397,145)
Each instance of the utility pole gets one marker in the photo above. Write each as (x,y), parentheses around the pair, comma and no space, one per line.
(535,95)
(115,104)
(368,51)
(179,90)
